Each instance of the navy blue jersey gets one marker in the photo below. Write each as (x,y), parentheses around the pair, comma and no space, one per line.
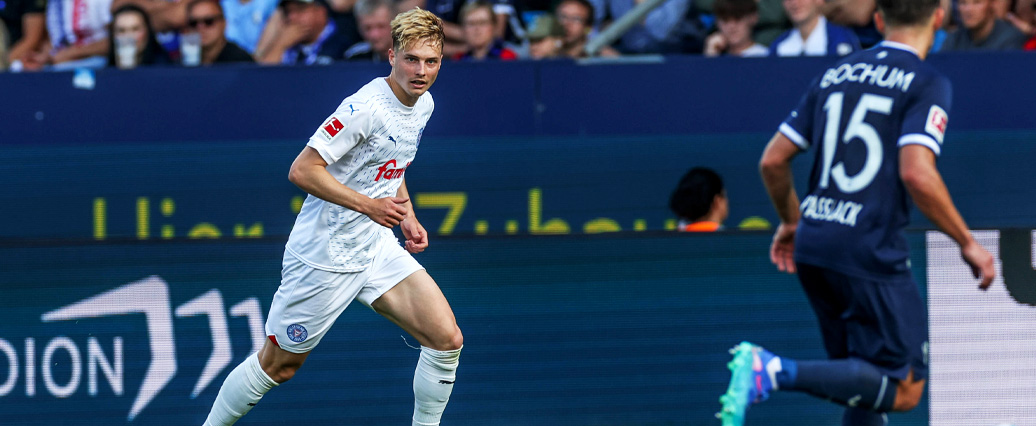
(856,116)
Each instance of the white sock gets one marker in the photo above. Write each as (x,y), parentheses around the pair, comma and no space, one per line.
(243,389)
(433,383)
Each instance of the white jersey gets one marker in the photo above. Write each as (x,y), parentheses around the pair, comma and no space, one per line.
(367,143)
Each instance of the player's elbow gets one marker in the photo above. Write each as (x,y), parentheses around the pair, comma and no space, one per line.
(914,179)
(297,175)
(770,167)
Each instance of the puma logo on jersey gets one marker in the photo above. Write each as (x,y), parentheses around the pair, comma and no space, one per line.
(388,172)
(393,140)
(351,109)
(332,127)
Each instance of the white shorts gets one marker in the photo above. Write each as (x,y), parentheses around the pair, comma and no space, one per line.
(309,300)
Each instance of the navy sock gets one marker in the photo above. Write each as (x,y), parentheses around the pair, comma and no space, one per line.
(851,382)
(855,416)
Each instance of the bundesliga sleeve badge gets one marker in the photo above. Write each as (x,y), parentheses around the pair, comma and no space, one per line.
(936,124)
(331,128)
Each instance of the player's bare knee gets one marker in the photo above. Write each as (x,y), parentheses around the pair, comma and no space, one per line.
(457,341)
(449,341)
(908,395)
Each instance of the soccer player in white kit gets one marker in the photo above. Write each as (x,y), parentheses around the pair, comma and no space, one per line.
(342,246)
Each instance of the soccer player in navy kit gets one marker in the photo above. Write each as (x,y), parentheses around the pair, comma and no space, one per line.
(876,120)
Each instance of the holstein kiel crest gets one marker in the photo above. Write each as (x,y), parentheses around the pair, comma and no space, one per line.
(297,333)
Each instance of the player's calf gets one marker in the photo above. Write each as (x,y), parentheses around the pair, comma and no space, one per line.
(242,390)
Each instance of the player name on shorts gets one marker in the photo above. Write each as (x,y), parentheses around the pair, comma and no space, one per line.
(830,210)
(865,73)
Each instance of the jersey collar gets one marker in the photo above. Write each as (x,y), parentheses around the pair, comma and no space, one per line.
(900,46)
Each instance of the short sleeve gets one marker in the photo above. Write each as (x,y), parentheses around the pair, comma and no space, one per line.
(927,114)
(347,127)
(798,127)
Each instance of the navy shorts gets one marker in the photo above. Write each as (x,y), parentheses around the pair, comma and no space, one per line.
(880,321)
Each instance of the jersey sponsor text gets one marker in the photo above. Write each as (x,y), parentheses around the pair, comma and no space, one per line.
(389,173)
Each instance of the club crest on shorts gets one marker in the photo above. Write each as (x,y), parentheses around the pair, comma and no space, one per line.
(297,333)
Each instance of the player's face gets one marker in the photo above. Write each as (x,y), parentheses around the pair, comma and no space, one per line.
(377,30)
(414,68)
(975,13)
(802,11)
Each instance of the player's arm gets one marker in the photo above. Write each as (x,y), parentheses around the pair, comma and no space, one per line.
(309,172)
(415,234)
(922,179)
(775,168)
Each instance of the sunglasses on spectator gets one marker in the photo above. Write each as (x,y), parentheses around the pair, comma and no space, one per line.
(208,22)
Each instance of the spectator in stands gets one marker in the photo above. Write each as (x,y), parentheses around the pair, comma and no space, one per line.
(245,20)
(545,36)
(77,39)
(812,34)
(305,36)
(857,15)
(734,20)
(374,18)
(479,23)
(26,28)
(132,23)
(981,30)
(577,18)
(700,201)
(207,18)
(1024,16)
(656,33)
(3,47)
(772,20)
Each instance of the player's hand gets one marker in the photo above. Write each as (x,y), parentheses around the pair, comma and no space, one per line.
(981,263)
(416,236)
(388,211)
(782,250)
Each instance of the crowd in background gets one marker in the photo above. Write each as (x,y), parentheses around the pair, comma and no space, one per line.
(66,34)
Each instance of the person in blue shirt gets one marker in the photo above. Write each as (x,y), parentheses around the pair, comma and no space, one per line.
(876,120)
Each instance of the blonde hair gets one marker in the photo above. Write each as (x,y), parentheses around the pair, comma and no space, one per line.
(417,25)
